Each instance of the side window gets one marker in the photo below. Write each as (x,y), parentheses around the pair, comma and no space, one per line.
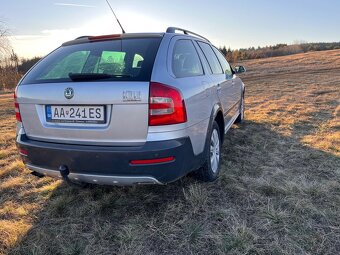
(211,58)
(185,60)
(137,61)
(224,63)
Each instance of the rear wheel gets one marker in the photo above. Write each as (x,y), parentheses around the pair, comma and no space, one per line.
(241,115)
(211,168)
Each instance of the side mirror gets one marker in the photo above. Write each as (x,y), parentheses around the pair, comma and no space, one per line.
(240,69)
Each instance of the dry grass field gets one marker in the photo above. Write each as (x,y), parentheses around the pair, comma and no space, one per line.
(278,193)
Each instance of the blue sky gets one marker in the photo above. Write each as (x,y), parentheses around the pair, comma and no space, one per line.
(39,26)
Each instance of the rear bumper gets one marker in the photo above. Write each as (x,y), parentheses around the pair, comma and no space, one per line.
(111,165)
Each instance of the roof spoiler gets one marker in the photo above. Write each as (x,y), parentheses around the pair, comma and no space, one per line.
(172,30)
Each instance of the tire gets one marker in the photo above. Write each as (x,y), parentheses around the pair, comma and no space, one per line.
(240,117)
(211,168)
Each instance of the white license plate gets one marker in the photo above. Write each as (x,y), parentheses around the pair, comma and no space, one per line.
(75,114)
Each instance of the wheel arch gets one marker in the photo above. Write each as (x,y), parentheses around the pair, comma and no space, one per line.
(220,122)
(216,115)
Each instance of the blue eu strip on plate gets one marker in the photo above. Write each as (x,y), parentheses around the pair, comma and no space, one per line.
(48,112)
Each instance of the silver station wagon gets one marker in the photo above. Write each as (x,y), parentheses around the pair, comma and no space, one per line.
(143,108)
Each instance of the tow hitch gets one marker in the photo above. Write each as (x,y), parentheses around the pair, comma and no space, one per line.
(64,172)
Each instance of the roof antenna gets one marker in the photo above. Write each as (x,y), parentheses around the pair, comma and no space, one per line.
(123,31)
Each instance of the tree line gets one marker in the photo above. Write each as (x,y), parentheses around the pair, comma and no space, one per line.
(12,67)
(234,56)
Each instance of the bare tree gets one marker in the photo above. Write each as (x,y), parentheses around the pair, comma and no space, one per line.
(9,61)
(5,47)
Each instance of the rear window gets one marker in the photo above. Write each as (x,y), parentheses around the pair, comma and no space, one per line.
(129,59)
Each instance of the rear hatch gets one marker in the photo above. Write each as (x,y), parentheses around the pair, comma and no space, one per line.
(90,91)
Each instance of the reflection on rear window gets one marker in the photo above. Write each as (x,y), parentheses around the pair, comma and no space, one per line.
(127,60)
(111,62)
(72,63)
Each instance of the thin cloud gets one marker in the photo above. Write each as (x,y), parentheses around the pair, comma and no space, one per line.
(75,5)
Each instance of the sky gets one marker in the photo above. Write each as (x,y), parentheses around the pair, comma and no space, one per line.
(39,26)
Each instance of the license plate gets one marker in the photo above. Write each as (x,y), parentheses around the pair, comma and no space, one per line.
(75,114)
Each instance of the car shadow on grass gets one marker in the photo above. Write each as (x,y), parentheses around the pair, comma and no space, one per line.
(274,195)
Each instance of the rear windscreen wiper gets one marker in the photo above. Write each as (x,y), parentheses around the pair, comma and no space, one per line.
(94,76)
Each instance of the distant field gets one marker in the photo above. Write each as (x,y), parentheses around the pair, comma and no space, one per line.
(279,190)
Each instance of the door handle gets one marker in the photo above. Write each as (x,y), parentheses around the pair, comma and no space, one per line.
(218,87)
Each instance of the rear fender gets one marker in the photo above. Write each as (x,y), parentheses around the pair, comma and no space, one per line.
(216,109)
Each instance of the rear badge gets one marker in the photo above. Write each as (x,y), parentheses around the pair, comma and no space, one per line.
(129,96)
(68,93)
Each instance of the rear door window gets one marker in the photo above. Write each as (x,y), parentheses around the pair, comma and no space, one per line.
(185,60)
(129,59)
(224,63)
(211,58)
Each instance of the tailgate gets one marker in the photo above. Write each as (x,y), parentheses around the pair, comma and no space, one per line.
(125,120)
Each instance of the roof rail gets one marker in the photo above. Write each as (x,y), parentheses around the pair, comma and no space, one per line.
(186,32)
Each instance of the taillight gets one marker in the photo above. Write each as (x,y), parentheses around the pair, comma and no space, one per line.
(16,106)
(166,105)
